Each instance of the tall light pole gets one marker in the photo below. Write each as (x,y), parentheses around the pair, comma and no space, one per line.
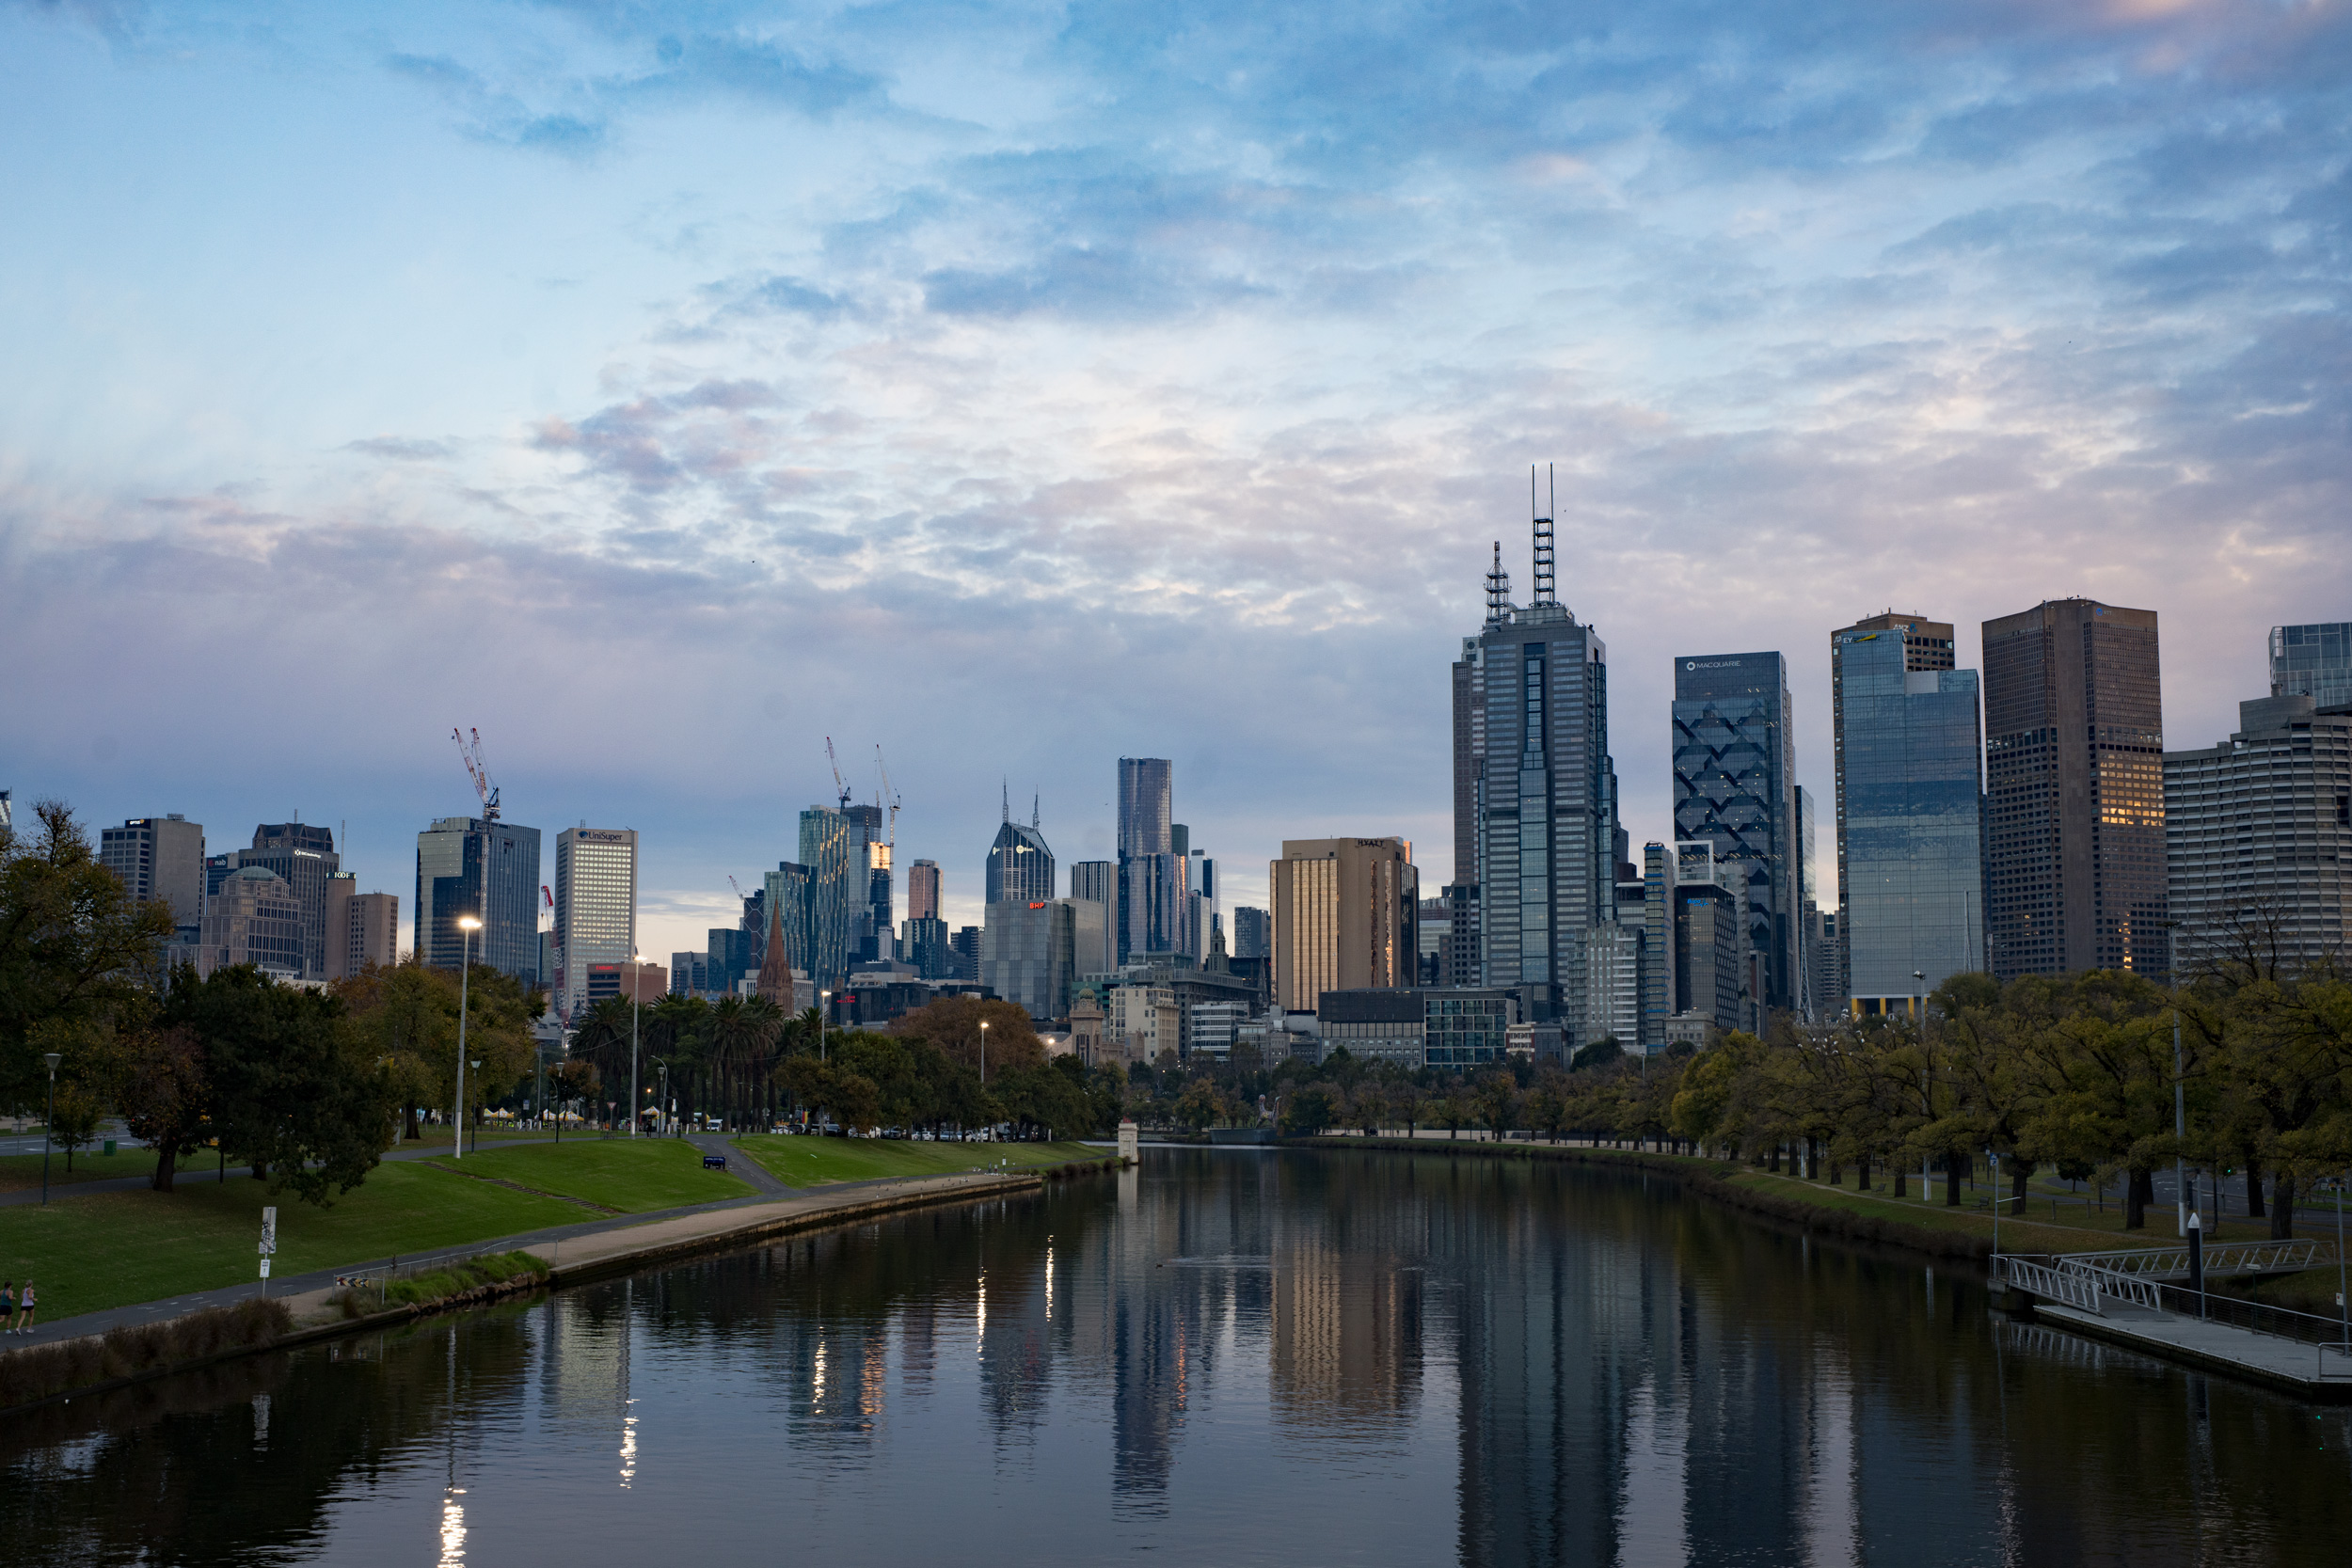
(49,1122)
(2180,1132)
(824,1002)
(634,987)
(476,1064)
(1926,1069)
(467,925)
(983,1052)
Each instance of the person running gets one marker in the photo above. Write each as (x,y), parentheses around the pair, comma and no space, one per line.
(25,1303)
(8,1303)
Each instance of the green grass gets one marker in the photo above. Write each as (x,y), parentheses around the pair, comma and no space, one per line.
(111,1249)
(633,1174)
(799,1162)
(20,1171)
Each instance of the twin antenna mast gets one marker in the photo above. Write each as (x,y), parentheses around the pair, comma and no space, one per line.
(1543,533)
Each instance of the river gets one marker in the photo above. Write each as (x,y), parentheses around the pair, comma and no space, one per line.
(1228,1356)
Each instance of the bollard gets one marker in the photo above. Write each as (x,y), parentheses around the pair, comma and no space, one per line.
(2197,1260)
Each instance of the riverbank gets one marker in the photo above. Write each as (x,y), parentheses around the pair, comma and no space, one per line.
(1964,1233)
(328,1309)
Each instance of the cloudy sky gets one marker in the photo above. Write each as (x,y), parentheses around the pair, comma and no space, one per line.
(662,389)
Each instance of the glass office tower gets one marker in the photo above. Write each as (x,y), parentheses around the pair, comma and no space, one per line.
(836,901)
(1735,763)
(2314,661)
(1911,817)
(489,869)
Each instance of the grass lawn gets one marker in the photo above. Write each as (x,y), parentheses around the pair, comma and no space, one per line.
(799,1162)
(20,1171)
(110,1249)
(633,1174)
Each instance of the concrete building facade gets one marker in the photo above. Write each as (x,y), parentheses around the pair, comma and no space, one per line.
(596,908)
(1345,911)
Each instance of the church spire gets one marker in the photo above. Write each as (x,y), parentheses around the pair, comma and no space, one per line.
(775,969)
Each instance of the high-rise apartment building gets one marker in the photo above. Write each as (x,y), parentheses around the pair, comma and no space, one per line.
(874,927)
(160,858)
(2074,718)
(303,855)
(1735,763)
(253,918)
(1547,796)
(596,908)
(1910,813)
(731,955)
(2258,841)
(1344,917)
(830,888)
(690,973)
(1096,881)
(1253,933)
(923,889)
(489,869)
(2314,661)
(1203,914)
(362,929)
(1152,891)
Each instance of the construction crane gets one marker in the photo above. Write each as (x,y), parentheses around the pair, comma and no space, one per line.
(840,786)
(737,886)
(889,798)
(471,755)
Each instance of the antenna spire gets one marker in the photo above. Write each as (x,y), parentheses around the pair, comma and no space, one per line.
(1543,533)
(1035,818)
(1005,787)
(1497,590)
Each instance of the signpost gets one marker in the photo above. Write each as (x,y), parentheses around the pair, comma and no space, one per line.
(269,1244)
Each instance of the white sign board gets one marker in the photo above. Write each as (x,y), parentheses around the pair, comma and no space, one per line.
(269,1233)
(265,1268)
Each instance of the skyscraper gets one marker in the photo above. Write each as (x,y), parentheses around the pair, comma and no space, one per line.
(362,929)
(2258,837)
(2314,661)
(1095,880)
(253,918)
(1735,763)
(875,925)
(1344,914)
(303,855)
(596,908)
(1910,815)
(160,858)
(489,869)
(1151,875)
(923,889)
(1202,911)
(1548,804)
(1253,937)
(2074,791)
(1032,953)
(835,902)
(1020,865)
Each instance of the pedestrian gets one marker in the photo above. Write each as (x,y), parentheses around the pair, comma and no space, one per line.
(7,1302)
(26,1302)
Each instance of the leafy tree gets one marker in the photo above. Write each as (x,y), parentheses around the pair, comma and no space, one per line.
(953,1024)
(1498,1102)
(76,950)
(75,1122)
(1600,1053)
(164,1092)
(288,1095)
(1199,1106)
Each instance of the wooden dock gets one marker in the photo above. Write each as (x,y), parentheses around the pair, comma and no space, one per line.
(2322,1374)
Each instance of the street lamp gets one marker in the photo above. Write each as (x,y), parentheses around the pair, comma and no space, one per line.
(477,1131)
(824,1001)
(983,1052)
(633,990)
(1927,1087)
(467,925)
(49,1124)
(662,1110)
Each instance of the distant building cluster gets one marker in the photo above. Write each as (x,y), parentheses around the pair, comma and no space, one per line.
(2020,820)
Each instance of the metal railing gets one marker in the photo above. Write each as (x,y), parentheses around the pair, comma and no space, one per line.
(2070,1283)
(2221,1258)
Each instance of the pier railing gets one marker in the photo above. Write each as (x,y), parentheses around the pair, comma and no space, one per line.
(2221,1258)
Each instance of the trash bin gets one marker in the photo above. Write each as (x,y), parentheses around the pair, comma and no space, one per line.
(110,1145)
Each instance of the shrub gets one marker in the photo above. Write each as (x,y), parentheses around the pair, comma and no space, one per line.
(27,1376)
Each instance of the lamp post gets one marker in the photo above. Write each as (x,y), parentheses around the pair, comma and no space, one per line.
(1927,1090)
(2180,1131)
(467,925)
(824,1004)
(476,1064)
(633,1117)
(49,1122)
(662,1110)
(983,1052)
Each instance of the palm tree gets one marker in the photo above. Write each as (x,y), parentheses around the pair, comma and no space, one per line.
(602,1038)
(740,1035)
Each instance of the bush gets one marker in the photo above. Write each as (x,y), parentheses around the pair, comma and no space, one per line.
(425,1289)
(46,1370)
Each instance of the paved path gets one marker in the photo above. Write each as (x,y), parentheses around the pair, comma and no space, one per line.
(739,1162)
(565,1246)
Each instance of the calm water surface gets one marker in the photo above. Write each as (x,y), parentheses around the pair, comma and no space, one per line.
(1232,1356)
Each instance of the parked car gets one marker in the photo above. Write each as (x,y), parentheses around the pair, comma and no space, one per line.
(714,1162)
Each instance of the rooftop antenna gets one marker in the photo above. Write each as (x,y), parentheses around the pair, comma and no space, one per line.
(1005,786)
(1497,590)
(1034,817)
(1543,534)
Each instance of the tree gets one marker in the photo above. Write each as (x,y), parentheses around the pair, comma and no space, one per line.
(1600,1053)
(163,1093)
(1199,1107)
(76,950)
(953,1024)
(1498,1102)
(288,1096)
(1309,1110)
(74,1124)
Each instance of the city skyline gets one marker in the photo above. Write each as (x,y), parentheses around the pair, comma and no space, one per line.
(1137,403)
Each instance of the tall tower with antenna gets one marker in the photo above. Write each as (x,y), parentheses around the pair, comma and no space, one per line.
(1542,515)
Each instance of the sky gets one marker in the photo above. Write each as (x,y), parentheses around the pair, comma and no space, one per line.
(662,389)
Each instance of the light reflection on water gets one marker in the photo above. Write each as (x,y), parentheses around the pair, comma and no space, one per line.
(1234,1356)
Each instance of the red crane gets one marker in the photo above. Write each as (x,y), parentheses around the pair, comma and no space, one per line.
(471,755)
